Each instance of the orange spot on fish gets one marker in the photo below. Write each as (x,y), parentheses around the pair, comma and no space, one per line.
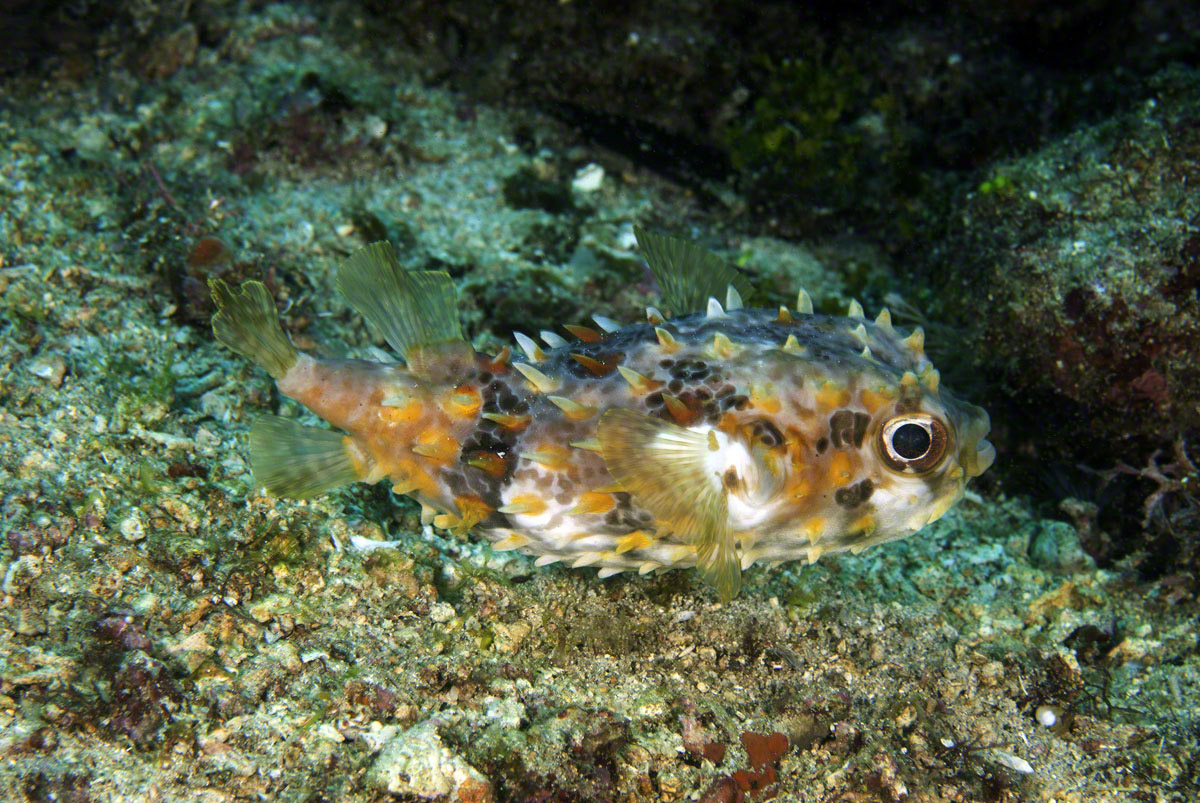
(410,477)
(513,423)
(549,455)
(872,400)
(463,402)
(471,511)
(679,410)
(499,363)
(832,396)
(764,399)
(592,502)
(813,529)
(525,505)
(639,382)
(406,412)
(841,469)
(864,525)
(436,445)
(635,540)
(489,462)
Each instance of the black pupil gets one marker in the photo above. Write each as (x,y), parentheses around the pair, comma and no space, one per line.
(910,441)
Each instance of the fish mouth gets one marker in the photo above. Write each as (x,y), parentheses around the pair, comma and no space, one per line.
(978,453)
(981,458)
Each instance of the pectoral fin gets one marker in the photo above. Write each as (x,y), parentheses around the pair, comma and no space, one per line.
(670,472)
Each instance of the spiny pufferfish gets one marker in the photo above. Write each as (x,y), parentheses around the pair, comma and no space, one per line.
(716,437)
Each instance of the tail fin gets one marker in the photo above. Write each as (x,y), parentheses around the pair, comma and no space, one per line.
(299,462)
(246,322)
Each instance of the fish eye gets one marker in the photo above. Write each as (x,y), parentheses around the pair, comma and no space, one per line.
(913,443)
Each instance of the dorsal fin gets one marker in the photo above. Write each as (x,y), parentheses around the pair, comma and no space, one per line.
(688,274)
(411,309)
(670,472)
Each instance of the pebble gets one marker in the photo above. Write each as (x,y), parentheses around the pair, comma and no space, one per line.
(49,367)
(416,764)
(1015,763)
(1046,716)
(1055,547)
(215,405)
(588,178)
(441,612)
(375,127)
(330,733)
(131,527)
(91,141)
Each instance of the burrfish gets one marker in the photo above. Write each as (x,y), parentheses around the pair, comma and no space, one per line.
(713,435)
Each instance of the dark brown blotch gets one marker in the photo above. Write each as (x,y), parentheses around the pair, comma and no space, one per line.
(731,480)
(690,370)
(766,433)
(854,495)
(841,428)
(848,428)
(861,420)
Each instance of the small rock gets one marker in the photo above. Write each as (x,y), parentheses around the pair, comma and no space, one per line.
(215,405)
(508,637)
(375,127)
(131,527)
(286,654)
(588,178)
(416,764)
(991,673)
(271,607)
(91,141)
(36,463)
(330,733)
(205,440)
(49,367)
(1015,763)
(1046,715)
(506,711)
(441,612)
(1055,547)
(31,623)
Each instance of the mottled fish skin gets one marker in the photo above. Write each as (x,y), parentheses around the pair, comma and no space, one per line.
(821,408)
(808,433)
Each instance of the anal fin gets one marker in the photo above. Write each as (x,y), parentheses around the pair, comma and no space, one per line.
(719,564)
(670,472)
(299,462)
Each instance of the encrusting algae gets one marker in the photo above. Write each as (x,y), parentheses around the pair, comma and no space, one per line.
(717,438)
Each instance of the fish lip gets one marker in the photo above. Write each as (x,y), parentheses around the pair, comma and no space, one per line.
(977,453)
(978,457)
